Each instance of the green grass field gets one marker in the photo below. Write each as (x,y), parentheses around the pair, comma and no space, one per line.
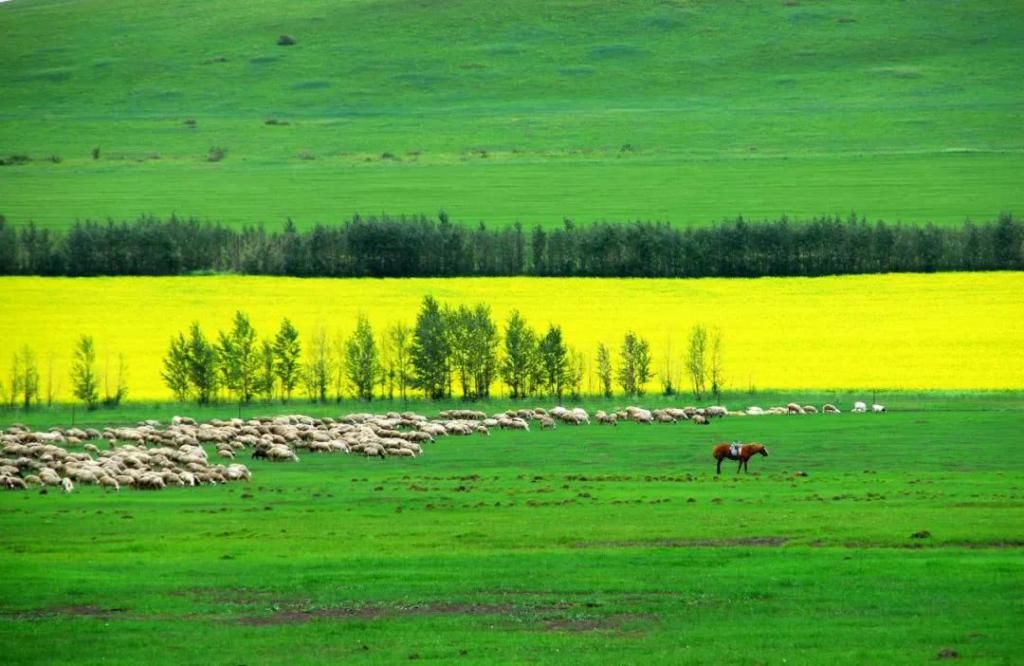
(580,545)
(531,111)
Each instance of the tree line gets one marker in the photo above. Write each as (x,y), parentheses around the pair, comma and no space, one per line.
(25,387)
(418,246)
(450,351)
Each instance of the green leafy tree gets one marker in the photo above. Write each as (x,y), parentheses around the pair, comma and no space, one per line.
(473,339)
(634,364)
(176,368)
(430,353)
(266,379)
(84,380)
(696,361)
(25,378)
(716,371)
(400,336)
(362,364)
(517,367)
(604,370)
(202,366)
(460,328)
(239,358)
(287,359)
(554,361)
(388,375)
(319,366)
(485,350)
(577,367)
(626,376)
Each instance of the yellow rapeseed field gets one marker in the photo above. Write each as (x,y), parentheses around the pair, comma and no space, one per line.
(951,331)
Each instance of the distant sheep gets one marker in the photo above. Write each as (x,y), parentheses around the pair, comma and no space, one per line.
(279,453)
(716,410)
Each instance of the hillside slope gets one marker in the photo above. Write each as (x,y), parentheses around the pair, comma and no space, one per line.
(688,111)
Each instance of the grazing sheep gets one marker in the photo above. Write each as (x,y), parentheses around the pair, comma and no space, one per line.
(572,418)
(859,407)
(716,410)
(793,408)
(546,422)
(67,485)
(13,482)
(663,417)
(830,409)
(110,482)
(151,481)
(279,453)
(581,415)
(700,419)
(519,424)
(810,409)
(607,419)
(237,472)
(878,409)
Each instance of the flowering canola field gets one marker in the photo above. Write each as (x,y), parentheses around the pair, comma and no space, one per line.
(948,331)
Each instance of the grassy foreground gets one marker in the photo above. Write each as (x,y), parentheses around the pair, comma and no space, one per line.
(587,545)
(911,332)
(511,111)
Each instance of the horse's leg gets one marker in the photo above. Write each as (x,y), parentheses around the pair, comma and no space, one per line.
(718,472)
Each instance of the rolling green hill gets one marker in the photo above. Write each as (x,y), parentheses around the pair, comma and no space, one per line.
(531,111)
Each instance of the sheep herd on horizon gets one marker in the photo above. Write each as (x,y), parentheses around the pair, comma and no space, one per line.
(149,457)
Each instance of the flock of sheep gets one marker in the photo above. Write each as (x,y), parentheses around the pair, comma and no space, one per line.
(150,457)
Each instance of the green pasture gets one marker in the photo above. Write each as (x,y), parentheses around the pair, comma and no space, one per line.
(579,545)
(530,111)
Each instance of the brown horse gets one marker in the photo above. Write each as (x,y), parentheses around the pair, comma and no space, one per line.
(737,451)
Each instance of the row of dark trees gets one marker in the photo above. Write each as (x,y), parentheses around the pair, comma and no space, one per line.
(422,247)
(450,351)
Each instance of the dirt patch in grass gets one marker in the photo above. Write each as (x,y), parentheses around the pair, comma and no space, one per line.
(607,623)
(88,611)
(917,545)
(385,611)
(758,541)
